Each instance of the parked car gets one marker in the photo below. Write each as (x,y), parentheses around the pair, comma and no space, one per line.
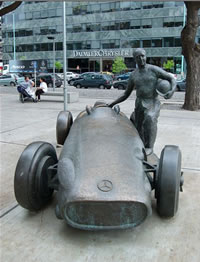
(71,81)
(70,75)
(121,84)
(94,191)
(49,80)
(123,76)
(94,80)
(181,85)
(11,79)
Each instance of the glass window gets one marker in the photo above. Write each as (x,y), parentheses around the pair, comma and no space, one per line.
(69,11)
(52,12)
(125,5)
(135,24)
(146,43)
(146,23)
(177,42)
(168,22)
(59,46)
(44,47)
(135,43)
(52,30)
(105,7)
(156,42)
(168,42)
(157,22)
(95,8)
(44,13)
(29,16)
(36,15)
(124,25)
(105,26)
(44,31)
(36,47)
(59,28)
(95,44)
(28,48)
(70,47)
(59,12)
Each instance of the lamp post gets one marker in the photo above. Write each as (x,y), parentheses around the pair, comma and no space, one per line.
(53,38)
(14,45)
(64,58)
(182,57)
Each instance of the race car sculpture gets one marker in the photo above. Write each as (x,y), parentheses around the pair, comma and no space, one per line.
(103,178)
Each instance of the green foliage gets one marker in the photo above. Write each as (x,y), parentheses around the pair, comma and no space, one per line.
(22,57)
(118,65)
(58,65)
(169,65)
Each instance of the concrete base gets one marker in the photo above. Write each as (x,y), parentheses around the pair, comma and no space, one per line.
(72,97)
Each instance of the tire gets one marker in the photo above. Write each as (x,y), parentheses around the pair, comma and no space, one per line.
(101,87)
(120,87)
(63,125)
(178,88)
(21,98)
(50,85)
(168,181)
(78,86)
(31,178)
(12,84)
(71,82)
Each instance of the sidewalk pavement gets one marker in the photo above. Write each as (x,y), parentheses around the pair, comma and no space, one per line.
(42,237)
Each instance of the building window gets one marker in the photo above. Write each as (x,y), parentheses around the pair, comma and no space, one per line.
(105,7)
(146,43)
(135,24)
(36,15)
(124,25)
(168,22)
(156,42)
(52,12)
(168,42)
(177,42)
(29,16)
(146,23)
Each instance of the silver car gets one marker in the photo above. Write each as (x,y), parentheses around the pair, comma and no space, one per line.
(11,80)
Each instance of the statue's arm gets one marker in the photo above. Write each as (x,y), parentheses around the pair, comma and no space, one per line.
(126,94)
(164,75)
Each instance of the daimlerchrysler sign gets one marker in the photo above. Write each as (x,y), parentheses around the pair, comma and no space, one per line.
(104,53)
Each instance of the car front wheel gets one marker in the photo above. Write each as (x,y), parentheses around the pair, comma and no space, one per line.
(12,83)
(78,86)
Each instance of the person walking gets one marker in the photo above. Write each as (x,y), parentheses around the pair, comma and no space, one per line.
(147,105)
(41,89)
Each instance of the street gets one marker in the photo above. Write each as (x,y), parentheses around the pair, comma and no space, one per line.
(42,237)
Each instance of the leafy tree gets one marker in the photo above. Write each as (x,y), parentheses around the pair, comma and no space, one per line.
(58,65)
(22,57)
(118,65)
(191,52)
(168,65)
(8,8)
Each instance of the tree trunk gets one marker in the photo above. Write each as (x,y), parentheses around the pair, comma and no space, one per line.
(9,8)
(191,52)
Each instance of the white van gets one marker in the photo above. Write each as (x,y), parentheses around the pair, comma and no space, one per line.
(5,69)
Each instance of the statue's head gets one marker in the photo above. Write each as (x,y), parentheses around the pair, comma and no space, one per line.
(140,57)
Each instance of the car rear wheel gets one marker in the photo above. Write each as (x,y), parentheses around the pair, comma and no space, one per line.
(168,181)
(50,85)
(178,88)
(63,125)
(12,84)
(102,87)
(31,175)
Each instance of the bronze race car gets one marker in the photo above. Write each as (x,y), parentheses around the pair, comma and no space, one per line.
(103,177)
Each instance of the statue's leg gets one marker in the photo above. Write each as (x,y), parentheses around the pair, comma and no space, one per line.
(150,125)
(139,118)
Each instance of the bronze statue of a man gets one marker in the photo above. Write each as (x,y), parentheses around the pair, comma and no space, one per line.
(147,106)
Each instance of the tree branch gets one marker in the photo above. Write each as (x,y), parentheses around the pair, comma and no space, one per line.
(9,8)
